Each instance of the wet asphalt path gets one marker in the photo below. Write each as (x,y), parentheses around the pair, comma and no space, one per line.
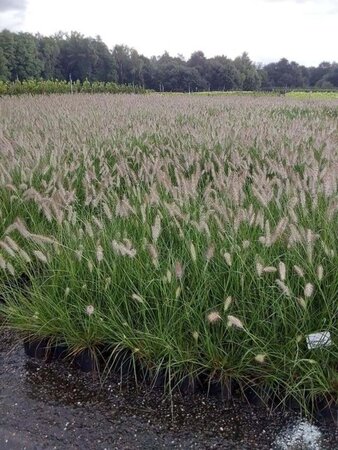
(53,406)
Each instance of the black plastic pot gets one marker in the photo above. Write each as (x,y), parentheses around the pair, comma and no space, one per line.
(158,380)
(257,396)
(190,386)
(225,390)
(327,410)
(123,364)
(85,361)
(59,352)
(39,349)
(293,405)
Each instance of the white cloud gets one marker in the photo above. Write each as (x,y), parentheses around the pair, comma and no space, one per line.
(326,6)
(300,30)
(12,5)
(12,13)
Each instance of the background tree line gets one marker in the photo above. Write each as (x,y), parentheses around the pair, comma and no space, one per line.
(63,56)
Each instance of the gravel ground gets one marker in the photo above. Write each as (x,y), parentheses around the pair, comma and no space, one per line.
(53,406)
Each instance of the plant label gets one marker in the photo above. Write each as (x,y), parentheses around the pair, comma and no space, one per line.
(320,339)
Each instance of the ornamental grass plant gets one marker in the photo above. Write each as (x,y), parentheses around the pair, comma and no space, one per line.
(197,235)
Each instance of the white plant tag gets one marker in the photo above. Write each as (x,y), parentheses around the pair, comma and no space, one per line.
(320,339)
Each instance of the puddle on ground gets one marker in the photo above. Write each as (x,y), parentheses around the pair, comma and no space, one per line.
(53,406)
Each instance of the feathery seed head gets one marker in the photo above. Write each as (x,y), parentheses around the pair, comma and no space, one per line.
(269,269)
(246,244)
(320,272)
(169,276)
(40,256)
(193,252)
(40,239)
(10,269)
(99,253)
(78,253)
(12,244)
(20,226)
(153,254)
(308,290)
(282,271)
(138,298)
(24,255)
(89,229)
(262,240)
(299,271)
(227,303)
(302,302)
(235,322)
(98,223)
(156,229)
(107,211)
(210,253)
(7,249)
(2,263)
(107,283)
(283,287)
(228,258)
(179,270)
(124,249)
(259,268)
(213,317)
(260,358)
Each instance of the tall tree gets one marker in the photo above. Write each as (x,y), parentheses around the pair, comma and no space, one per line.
(27,61)
(4,70)
(317,74)
(23,55)
(223,75)
(104,68)
(332,76)
(7,45)
(49,52)
(285,74)
(250,79)
(122,59)
(78,57)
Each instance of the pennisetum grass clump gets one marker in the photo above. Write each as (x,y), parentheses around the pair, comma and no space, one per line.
(199,242)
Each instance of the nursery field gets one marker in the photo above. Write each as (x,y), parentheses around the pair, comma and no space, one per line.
(193,239)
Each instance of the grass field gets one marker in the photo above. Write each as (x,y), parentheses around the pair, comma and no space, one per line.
(302,95)
(299,95)
(198,234)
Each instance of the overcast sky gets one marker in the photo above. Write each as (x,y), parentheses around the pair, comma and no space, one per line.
(301,30)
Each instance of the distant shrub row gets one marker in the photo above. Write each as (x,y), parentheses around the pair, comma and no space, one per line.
(64,87)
